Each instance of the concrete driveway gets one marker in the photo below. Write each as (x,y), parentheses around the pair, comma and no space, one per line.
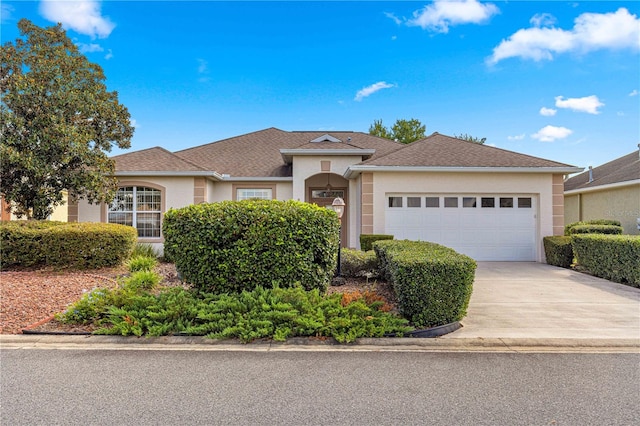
(539,301)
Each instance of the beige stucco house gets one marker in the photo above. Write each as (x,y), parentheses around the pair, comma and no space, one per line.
(609,191)
(486,202)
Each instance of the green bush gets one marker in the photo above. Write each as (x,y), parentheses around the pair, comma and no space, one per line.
(357,263)
(367,240)
(144,250)
(236,245)
(142,280)
(613,257)
(558,251)
(596,229)
(141,263)
(432,283)
(65,245)
(567,228)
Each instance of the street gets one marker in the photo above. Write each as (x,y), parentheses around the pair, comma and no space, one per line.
(148,387)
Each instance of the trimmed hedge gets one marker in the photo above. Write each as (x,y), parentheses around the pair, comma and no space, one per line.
(357,263)
(596,229)
(433,283)
(613,257)
(65,245)
(367,240)
(558,251)
(233,246)
(567,228)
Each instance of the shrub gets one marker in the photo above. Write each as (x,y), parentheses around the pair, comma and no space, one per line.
(596,229)
(145,250)
(558,251)
(367,240)
(432,283)
(613,257)
(356,263)
(141,263)
(236,245)
(66,245)
(142,280)
(567,228)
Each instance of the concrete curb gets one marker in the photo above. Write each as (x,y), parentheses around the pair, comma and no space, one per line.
(189,343)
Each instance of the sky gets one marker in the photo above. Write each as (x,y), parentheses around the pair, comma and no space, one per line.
(557,79)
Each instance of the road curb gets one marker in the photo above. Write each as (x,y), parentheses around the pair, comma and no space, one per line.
(395,344)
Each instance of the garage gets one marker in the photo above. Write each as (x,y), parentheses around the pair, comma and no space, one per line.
(486,227)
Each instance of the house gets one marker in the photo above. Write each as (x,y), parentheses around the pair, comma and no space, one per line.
(486,202)
(60,212)
(609,191)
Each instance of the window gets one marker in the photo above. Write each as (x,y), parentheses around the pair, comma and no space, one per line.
(253,194)
(488,202)
(432,202)
(140,207)
(395,201)
(451,201)
(322,193)
(506,202)
(468,201)
(414,202)
(524,202)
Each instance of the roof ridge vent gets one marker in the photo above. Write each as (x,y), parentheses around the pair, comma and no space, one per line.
(326,138)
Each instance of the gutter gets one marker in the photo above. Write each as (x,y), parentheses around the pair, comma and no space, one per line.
(165,173)
(603,187)
(355,170)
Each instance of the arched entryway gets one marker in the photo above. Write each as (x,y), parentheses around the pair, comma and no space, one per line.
(322,189)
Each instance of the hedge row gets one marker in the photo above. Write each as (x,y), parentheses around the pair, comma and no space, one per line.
(65,245)
(613,257)
(567,228)
(357,263)
(432,283)
(596,229)
(232,246)
(367,240)
(558,251)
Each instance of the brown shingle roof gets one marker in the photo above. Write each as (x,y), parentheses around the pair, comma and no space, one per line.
(444,151)
(153,160)
(257,154)
(621,169)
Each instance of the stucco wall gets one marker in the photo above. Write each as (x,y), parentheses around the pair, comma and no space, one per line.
(539,185)
(621,204)
(223,191)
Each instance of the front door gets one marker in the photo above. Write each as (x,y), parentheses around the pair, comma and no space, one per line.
(324,197)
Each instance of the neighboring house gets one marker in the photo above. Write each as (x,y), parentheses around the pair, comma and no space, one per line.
(483,201)
(609,191)
(60,213)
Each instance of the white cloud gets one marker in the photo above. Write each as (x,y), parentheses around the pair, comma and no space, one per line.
(620,113)
(6,12)
(591,31)
(109,55)
(543,20)
(82,16)
(88,48)
(134,123)
(551,133)
(634,92)
(516,137)
(441,14)
(370,90)
(588,104)
(203,66)
(548,112)
(393,17)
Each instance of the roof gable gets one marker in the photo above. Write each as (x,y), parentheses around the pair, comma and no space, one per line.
(623,169)
(154,159)
(439,150)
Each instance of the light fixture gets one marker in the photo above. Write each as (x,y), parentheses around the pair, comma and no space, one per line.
(328,189)
(338,206)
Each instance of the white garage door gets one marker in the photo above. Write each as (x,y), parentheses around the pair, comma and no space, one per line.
(491,227)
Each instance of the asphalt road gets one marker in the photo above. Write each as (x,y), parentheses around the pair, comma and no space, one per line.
(104,387)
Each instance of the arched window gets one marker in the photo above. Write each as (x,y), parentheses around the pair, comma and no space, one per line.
(140,207)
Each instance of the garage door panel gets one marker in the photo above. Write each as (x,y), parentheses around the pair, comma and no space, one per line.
(483,233)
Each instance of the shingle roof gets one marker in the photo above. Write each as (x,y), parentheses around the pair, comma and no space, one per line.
(439,150)
(257,154)
(623,169)
(153,160)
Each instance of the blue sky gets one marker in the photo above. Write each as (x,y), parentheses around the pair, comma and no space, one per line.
(557,79)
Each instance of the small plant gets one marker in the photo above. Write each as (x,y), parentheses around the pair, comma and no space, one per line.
(370,297)
(144,250)
(141,263)
(142,280)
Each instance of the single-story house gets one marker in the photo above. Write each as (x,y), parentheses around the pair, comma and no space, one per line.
(609,191)
(486,202)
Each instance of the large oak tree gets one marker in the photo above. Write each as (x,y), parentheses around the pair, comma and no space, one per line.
(58,123)
(404,131)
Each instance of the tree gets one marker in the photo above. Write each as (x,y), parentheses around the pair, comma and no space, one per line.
(469,138)
(58,123)
(405,131)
